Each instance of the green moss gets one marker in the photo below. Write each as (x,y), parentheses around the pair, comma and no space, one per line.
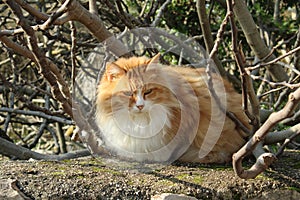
(164,183)
(294,188)
(194,178)
(80,177)
(265,176)
(106,170)
(216,167)
(91,162)
(58,173)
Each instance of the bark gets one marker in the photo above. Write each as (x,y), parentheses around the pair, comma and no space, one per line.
(274,137)
(256,43)
(206,31)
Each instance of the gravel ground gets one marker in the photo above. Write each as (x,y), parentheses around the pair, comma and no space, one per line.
(89,178)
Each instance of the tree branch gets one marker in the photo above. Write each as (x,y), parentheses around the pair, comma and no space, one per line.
(38,114)
(247,86)
(253,38)
(206,31)
(12,150)
(160,13)
(266,159)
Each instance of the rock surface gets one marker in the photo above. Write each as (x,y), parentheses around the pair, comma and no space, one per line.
(90,178)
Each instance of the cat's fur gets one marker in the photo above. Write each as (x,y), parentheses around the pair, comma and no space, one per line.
(151,112)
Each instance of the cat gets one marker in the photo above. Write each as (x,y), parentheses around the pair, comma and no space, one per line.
(150,112)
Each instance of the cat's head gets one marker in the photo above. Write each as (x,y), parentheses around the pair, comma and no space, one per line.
(135,84)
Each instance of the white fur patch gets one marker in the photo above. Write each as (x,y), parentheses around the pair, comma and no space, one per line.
(137,134)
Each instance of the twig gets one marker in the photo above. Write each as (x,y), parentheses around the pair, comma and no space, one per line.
(297,54)
(12,95)
(38,134)
(39,15)
(60,92)
(286,142)
(259,65)
(270,92)
(60,11)
(275,84)
(19,49)
(37,113)
(213,93)
(73,50)
(247,86)
(120,14)
(219,35)
(208,39)
(292,120)
(160,13)
(142,12)
(57,149)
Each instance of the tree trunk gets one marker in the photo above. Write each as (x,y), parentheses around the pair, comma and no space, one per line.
(256,43)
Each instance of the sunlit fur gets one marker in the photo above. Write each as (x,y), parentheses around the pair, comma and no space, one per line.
(150,112)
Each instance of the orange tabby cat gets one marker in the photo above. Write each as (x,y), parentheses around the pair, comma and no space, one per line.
(156,113)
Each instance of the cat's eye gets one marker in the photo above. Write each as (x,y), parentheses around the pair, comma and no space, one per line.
(128,93)
(148,91)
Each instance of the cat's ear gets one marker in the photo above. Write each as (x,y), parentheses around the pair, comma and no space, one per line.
(114,71)
(154,59)
(153,62)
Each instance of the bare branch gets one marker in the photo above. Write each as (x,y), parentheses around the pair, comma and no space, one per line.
(275,60)
(93,7)
(247,86)
(213,93)
(40,15)
(96,26)
(254,40)
(279,136)
(208,39)
(297,54)
(11,150)
(266,159)
(60,91)
(55,16)
(287,141)
(160,13)
(17,48)
(38,114)
(275,84)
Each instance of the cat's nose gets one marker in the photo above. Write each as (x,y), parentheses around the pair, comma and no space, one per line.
(140,107)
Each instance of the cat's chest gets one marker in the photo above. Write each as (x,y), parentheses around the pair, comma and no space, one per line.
(139,125)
